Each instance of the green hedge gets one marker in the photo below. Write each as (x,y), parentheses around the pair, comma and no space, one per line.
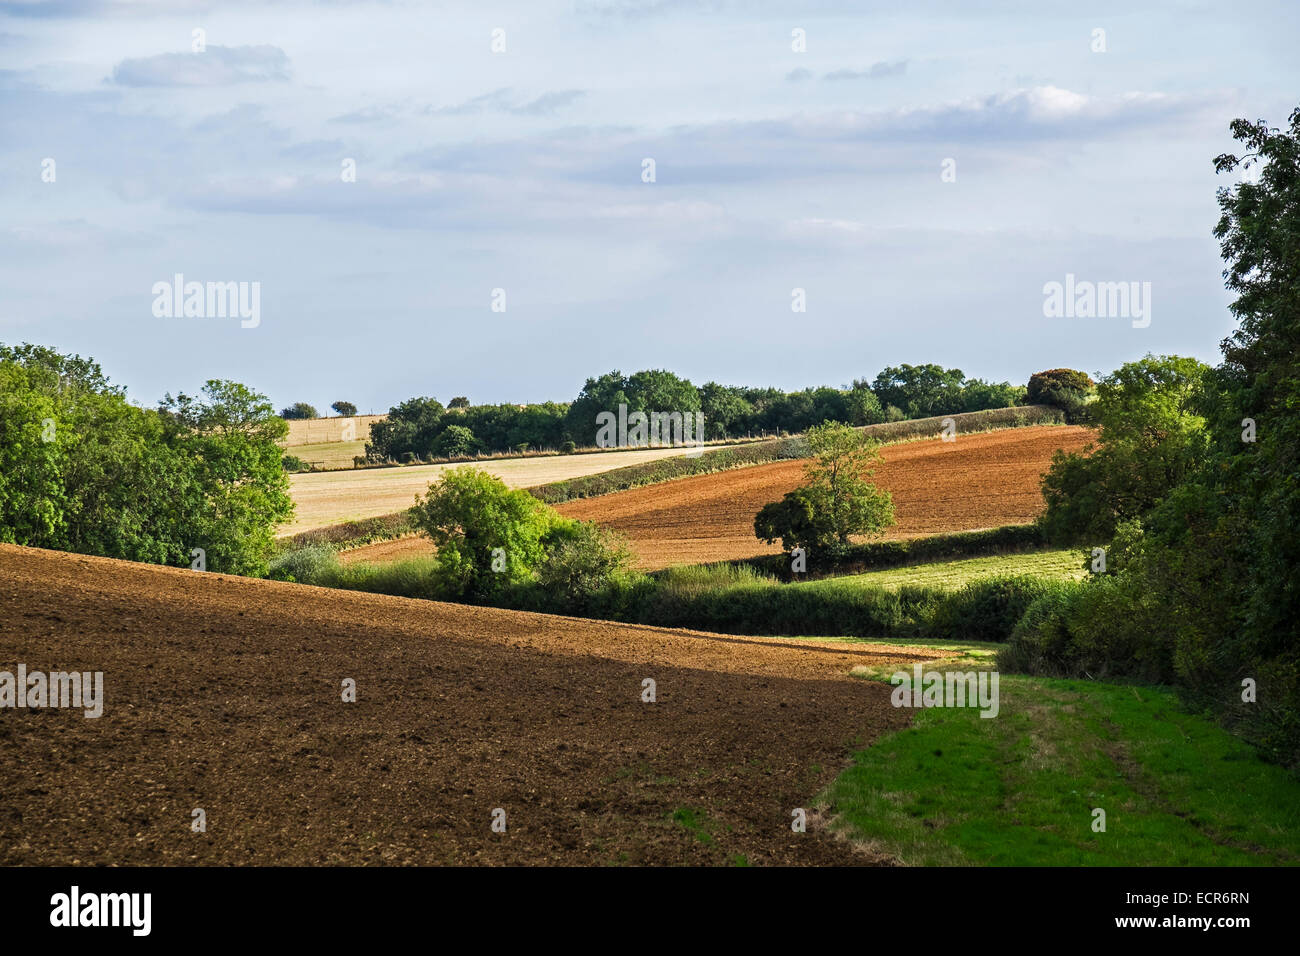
(879,555)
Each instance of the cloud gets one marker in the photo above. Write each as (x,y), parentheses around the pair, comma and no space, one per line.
(502,99)
(547,103)
(874,72)
(216,66)
(799,76)
(367,114)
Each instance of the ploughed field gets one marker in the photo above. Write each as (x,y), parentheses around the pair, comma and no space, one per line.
(224,693)
(981,480)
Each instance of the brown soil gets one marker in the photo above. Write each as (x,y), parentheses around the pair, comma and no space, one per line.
(224,693)
(982,480)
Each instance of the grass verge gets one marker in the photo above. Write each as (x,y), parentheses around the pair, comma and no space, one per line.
(1020,788)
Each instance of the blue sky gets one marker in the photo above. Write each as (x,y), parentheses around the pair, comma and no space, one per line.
(522,170)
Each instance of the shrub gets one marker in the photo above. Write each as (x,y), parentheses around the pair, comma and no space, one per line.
(294,463)
(300,410)
(568,447)
(487,536)
(456,441)
(988,609)
(1099,628)
(314,564)
(582,559)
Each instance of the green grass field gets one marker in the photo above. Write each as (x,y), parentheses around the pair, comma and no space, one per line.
(1021,788)
(950,575)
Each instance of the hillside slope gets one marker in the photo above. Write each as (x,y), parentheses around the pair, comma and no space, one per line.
(224,693)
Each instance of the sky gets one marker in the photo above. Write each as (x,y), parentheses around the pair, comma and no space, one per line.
(921,171)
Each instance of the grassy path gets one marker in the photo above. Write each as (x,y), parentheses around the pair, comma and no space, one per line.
(1021,788)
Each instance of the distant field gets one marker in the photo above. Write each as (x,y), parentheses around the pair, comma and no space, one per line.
(331,454)
(983,480)
(951,575)
(331,497)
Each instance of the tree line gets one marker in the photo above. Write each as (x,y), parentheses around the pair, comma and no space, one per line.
(422,427)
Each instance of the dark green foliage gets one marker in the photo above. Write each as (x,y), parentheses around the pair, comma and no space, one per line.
(1151,437)
(83,470)
(300,410)
(346,409)
(455,441)
(988,609)
(292,463)
(582,560)
(1207,596)
(879,555)
(1064,388)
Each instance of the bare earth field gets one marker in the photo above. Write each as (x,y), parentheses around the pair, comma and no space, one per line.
(983,480)
(224,693)
(332,497)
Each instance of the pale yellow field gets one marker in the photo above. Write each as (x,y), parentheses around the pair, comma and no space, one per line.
(330,454)
(331,497)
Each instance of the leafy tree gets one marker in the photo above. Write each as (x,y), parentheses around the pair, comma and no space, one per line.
(862,405)
(82,469)
(977,395)
(794,521)
(300,410)
(1066,388)
(836,500)
(920,390)
(653,390)
(726,410)
(408,427)
(240,492)
(1042,385)
(455,441)
(346,409)
(469,515)
(460,401)
(1150,438)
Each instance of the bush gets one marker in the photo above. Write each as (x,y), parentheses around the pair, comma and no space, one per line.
(456,441)
(1101,628)
(487,536)
(314,564)
(300,410)
(568,448)
(583,558)
(989,609)
(293,463)
(1064,388)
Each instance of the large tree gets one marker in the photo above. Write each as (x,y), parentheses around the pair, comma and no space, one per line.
(836,500)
